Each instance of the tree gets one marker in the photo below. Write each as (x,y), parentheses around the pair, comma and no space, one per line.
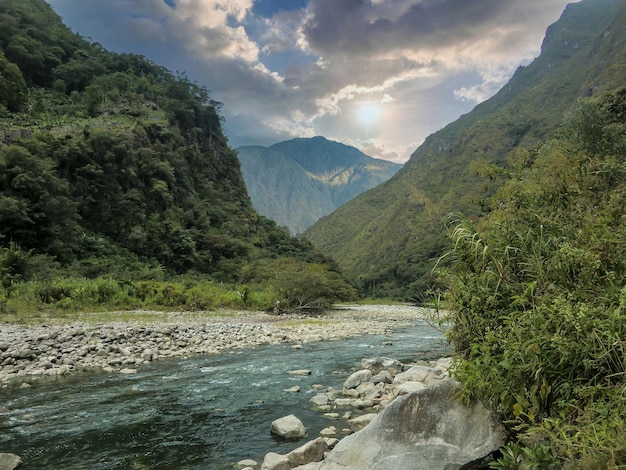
(12,84)
(37,212)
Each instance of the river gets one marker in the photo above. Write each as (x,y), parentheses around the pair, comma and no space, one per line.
(203,412)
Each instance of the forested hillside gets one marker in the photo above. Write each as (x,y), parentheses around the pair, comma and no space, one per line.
(298,181)
(389,237)
(110,165)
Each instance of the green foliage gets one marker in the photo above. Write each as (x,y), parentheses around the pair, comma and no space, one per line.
(13,265)
(68,296)
(114,170)
(538,298)
(12,85)
(35,210)
(298,285)
(514,457)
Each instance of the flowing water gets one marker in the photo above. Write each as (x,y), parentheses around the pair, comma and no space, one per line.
(205,412)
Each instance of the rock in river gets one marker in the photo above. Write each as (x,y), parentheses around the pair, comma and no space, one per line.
(288,427)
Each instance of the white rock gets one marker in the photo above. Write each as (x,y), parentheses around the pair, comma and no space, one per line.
(407,387)
(273,461)
(288,427)
(361,421)
(312,451)
(358,377)
(247,463)
(416,374)
(320,399)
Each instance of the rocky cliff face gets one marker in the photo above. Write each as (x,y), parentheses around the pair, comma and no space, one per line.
(297,182)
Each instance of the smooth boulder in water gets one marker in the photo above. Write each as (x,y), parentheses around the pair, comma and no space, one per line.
(424,430)
(288,427)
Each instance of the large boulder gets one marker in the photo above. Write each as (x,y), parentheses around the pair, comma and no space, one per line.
(288,427)
(428,429)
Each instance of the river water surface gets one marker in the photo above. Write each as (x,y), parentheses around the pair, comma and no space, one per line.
(205,412)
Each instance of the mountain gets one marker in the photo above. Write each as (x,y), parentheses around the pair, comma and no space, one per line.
(298,181)
(110,165)
(388,237)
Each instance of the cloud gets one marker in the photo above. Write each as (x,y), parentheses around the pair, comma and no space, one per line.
(206,28)
(299,68)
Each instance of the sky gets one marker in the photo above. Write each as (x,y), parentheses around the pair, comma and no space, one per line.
(380,75)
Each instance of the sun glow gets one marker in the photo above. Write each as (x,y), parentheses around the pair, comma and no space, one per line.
(369,113)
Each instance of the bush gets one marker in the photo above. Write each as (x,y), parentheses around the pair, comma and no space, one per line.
(537,292)
(299,285)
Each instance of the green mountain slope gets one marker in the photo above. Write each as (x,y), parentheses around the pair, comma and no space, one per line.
(298,181)
(388,237)
(110,165)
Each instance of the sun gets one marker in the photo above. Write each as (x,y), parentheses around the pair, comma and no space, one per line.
(369,113)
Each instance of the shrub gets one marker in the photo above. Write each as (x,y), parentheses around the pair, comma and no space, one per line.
(537,291)
(299,285)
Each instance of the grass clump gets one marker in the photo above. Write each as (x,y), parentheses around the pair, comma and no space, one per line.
(63,297)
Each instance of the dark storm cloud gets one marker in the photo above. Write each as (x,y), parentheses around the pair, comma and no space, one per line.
(366,27)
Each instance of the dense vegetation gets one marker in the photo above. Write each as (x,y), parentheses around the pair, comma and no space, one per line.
(537,291)
(388,238)
(113,167)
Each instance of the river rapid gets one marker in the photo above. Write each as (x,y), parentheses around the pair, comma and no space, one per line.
(201,412)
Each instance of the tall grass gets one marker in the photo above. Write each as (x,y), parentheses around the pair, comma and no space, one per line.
(63,297)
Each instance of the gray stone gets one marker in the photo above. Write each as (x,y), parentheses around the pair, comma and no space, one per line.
(444,364)
(340,402)
(429,429)
(288,427)
(299,372)
(273,461)
(247,463)
(416,374)
(377,364)
(331,442)
(407,387)
(312,451)
(360,422)
(9,461)
(358,377)
(320,400)
(309,466)
(382,377)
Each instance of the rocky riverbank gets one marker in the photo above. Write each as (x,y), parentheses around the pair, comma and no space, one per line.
(60,348)
(407,416)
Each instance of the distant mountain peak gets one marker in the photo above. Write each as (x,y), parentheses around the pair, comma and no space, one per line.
(298,181)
